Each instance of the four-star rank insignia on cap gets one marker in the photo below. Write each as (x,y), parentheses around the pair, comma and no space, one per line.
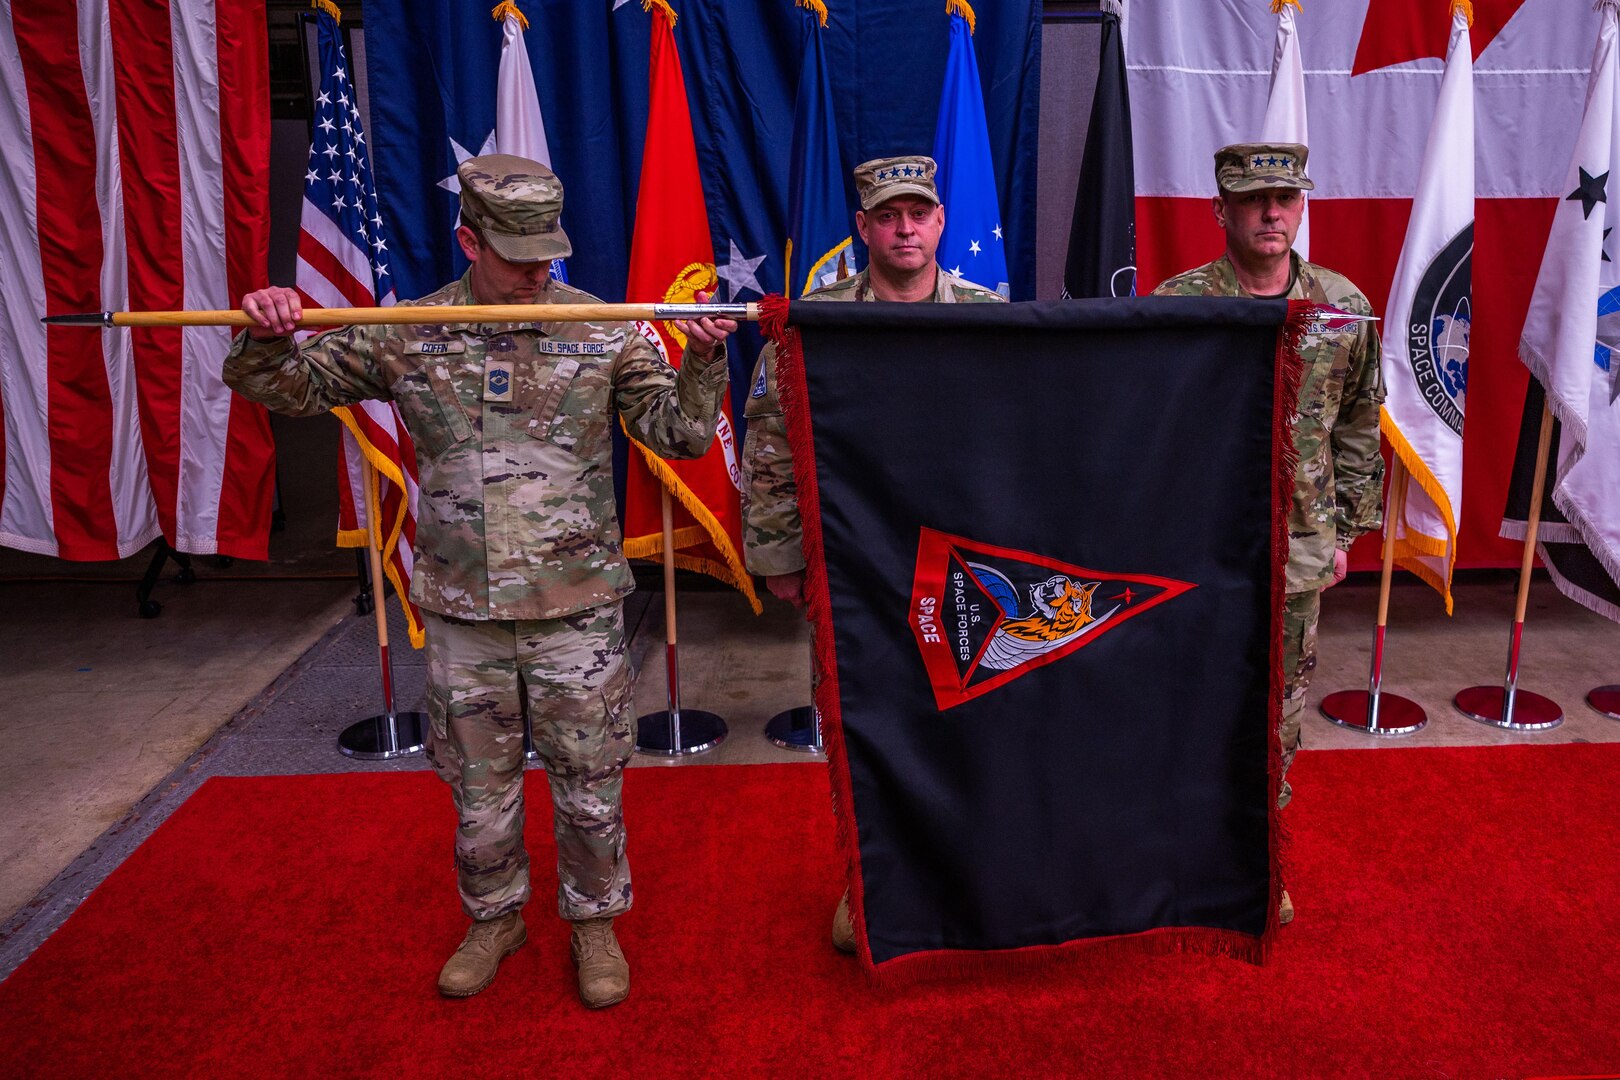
(984,616)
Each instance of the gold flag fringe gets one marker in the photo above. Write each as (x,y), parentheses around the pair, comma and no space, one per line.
(505,8)
(381,465)
(816,6)
(661,5)
(964,9)
(328,7)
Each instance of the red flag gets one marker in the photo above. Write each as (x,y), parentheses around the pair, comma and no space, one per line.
(137,145)
(671,260)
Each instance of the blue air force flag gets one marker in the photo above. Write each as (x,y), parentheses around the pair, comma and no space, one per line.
(1572,330)
(971,246)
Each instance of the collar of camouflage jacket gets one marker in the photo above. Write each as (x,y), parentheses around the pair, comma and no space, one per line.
(459,294)
(943,293)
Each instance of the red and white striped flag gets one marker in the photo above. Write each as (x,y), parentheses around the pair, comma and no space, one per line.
(137,146)
(343,262)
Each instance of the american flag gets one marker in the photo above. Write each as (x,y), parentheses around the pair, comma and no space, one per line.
(343,262)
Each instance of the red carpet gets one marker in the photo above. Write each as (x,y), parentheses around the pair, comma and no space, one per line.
(1459,916)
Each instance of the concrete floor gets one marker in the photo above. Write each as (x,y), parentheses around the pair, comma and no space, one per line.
(113,721)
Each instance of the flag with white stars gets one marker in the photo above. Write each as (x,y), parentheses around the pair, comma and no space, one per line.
(1573,326)
(343,262)
(971,246)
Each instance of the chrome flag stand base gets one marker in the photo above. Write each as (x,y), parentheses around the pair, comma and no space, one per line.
(678,733)
(1374,713)
(378,738)
(1524,712)
(796,729)
(1606,700)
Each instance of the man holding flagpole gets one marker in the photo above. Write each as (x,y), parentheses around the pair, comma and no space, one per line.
(1339,485)
(520,574)
(900,222)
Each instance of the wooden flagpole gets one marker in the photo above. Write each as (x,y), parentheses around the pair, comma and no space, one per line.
(1372,710)
(1507,706)
(410,315)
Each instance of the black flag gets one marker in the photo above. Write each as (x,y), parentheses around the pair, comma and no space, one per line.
(1576,571)
(1102,236)
(1046,592)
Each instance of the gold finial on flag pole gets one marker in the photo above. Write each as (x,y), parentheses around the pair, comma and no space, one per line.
(817,6)
(328,7)
(661,5)
(964,9)
(505,8)
(1466,7)
(1278,5)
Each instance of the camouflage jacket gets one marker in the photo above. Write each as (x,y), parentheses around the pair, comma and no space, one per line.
(515,516)
(772,537)
(1339,487)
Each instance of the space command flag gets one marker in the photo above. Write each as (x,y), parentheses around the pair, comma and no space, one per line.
(1046,547)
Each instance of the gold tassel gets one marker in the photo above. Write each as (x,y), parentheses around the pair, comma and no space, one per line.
(661,5)
(1278,5)
(964,9)
(328,7)
(817,6)
(505,8)
(1466,7)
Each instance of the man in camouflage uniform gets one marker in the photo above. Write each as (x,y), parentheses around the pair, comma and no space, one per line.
(519,572)
(900,221)
(1339,484)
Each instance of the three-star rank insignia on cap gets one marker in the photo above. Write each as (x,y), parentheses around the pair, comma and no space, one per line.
(498,380)
(985,615)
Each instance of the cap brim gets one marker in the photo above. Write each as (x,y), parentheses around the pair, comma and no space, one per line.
(891,191)
(1255,183)
(541,247)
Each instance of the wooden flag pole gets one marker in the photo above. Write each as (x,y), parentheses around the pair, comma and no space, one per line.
(1372,710)
(410,315)
(391,734)
(675,732)
(1507,706)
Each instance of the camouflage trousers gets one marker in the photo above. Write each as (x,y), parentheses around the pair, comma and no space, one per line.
(575,680)
(1300,612)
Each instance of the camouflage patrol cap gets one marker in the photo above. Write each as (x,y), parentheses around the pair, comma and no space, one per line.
(881,179)
(516,204)
(1250,166)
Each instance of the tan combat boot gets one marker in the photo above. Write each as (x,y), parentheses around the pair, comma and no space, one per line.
(843,932)
(604,976)
(1285,910)
(472,967)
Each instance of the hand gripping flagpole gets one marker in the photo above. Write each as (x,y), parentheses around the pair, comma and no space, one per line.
(1507,706)
(1372,710)
(675,732)
(392,734)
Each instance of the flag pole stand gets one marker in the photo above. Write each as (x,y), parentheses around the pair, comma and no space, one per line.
(391,735)
(675,732)
(1606,700)
(1507,706)
(1372,710)
(798,728)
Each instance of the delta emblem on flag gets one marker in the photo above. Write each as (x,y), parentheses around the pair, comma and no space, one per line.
(985,615)
(1050,648)
(1425,338)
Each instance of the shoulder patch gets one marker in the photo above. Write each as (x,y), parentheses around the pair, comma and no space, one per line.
(759,385)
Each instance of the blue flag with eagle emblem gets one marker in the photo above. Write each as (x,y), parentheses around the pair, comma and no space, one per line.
(971,246)
(1050,649)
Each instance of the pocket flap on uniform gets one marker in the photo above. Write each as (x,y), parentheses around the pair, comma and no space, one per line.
(545,410)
